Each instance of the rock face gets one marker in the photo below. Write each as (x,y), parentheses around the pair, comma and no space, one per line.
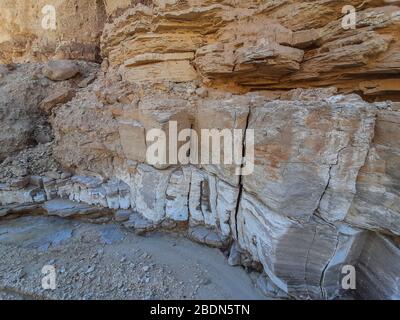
(377,203)
(25,93)
(325,189)
(284,45)
(27,32)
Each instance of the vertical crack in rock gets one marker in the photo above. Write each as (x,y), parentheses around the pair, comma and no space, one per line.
(329,179)
(241,168)
(326,188)
(321,283)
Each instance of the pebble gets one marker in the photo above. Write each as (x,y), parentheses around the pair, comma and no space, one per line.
(146,268)
(90,269)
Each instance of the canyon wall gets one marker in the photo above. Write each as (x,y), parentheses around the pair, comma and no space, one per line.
(322,101)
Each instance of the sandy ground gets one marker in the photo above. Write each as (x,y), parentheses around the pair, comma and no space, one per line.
(109,262)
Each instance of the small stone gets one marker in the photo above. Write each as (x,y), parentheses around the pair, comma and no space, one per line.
(139,224)
(198,234)
(234,256)
(52,175)
(202,92)
(104,65)
(66,175)
(146,268)
(59,97)
(90,269)
(122,215)
(213,239)
(60,70)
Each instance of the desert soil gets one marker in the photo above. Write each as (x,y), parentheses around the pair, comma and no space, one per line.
(108,262)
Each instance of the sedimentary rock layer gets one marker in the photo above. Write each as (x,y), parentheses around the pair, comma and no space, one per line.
(325,189)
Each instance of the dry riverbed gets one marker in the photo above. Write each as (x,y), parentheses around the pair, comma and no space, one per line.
(108,262)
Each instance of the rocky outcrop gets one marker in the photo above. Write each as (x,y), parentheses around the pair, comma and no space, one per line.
(380,253)
(324,193)
(38,30)
(24,94)
(285,45)
(377,203)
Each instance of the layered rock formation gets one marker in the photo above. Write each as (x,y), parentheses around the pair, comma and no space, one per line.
(284,45)
(27,33)
(325,189)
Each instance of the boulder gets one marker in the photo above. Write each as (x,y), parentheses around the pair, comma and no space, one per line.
(60,70)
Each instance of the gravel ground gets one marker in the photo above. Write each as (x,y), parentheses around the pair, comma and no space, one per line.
(108,262)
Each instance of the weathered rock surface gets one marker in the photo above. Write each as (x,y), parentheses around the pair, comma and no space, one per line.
(24,94)
(283,45)
(377,202)
(26,32)
(308,154)
(326,183)
(60,97)
(380,253)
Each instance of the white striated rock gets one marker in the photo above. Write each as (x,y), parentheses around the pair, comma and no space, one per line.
(227,202)
(177,196)
(22,196)
(378,269)
(301,259)
(151,187)
(203,198)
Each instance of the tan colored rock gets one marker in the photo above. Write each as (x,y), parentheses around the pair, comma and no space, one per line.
(308,154)
(281,47)
(56,98)
(158,112)
(147,58)
(176,71)
(377,202)
(78,28)
(222,114)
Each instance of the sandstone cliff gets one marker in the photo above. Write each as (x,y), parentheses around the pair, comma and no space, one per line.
(322,100)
